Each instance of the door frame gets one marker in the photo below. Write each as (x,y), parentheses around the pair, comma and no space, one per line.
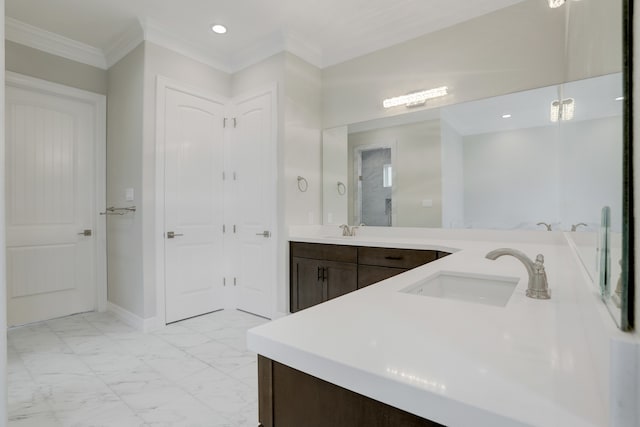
(357,171)
(99,104)
(162,85)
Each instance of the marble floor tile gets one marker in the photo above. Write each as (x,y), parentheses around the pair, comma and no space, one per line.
(92,370)
(44,419)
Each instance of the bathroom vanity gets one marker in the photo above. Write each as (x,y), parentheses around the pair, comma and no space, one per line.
(320,272)
(439,359)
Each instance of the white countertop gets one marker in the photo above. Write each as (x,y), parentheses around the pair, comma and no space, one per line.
(453,362)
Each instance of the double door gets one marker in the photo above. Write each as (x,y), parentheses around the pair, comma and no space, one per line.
(218,202)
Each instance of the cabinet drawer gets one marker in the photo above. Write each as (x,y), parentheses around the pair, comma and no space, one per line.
(370,274)
(338,253)
(397,258)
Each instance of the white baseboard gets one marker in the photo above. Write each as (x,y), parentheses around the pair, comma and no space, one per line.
(144,325)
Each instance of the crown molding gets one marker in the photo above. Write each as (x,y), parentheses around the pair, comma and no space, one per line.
(155,33)
(148,30)
(125,43)
(55,44)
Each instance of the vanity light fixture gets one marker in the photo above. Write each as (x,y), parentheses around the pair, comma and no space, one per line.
(562,110)
(218,29)
(555,3)
(506,116)
(416,98)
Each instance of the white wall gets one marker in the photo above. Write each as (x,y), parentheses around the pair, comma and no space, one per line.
(511,178)
(335,169)
(452,177)
(556,174)
(513,49)
(591,172)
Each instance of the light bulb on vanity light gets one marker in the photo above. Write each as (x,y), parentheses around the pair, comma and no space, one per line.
(506,116)
(416,98)
(555,3)
(562,110)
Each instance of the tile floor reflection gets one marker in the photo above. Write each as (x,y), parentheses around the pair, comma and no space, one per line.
(92,370)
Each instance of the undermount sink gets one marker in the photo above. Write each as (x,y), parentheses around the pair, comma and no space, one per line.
(477,288)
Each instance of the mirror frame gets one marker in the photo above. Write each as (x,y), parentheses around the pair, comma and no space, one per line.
(628,216)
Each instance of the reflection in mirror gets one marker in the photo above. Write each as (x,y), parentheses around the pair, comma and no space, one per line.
(508,162)
(498,163)
(374,186)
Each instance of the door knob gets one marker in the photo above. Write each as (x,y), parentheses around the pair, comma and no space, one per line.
(171,235)
(265,233)
(86,233)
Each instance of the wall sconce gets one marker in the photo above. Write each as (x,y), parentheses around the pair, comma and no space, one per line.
(562,110)
(416,98)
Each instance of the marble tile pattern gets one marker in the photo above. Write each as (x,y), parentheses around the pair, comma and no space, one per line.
(92,370)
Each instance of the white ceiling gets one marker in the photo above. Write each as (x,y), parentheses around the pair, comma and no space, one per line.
(325,32)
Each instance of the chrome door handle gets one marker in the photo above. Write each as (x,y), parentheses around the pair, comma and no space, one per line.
(265,233)
(171,235)
(86,233)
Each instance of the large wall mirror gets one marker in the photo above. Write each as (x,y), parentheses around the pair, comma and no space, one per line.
(547,159)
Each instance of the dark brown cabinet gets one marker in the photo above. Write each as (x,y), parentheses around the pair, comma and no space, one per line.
(320,272)
(291,398)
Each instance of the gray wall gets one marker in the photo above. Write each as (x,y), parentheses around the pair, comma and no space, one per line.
(124,170)
(36,63)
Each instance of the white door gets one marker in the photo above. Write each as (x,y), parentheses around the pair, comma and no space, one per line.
(255,163)
(50,201)
(194,160)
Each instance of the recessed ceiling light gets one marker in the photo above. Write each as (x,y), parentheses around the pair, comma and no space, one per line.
(620,98)
(506,116)
(219,29)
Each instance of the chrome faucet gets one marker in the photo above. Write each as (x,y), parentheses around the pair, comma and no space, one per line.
(546,225)
(348,231)
(574,227)
(538,286)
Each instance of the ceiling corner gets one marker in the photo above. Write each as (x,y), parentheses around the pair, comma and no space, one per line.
(300,47)
(157,34)
(124,43)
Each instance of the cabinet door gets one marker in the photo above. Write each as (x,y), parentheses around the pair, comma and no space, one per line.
(340,278)
(306,283)
(370,274)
